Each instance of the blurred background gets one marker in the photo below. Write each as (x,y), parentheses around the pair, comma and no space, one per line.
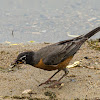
(47,20)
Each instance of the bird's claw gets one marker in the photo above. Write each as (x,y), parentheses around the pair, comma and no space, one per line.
(55,85)
(48,82)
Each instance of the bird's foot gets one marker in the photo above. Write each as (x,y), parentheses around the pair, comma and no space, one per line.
(48,82)
(56,85)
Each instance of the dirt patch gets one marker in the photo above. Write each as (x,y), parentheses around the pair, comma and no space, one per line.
(81,83)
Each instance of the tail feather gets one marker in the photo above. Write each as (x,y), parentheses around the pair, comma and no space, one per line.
(91,33)
(82,38)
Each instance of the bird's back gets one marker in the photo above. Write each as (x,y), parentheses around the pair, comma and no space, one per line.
(57,53)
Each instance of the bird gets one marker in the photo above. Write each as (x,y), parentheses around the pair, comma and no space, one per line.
(54,57)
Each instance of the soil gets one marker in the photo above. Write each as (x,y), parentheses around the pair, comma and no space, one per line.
(82,82)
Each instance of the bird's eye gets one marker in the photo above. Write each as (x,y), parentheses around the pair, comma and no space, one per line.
(24,58)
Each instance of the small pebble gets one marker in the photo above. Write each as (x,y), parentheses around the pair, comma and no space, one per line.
(86,57)
(62,84)
(89,75)
(96,63)
(28,91)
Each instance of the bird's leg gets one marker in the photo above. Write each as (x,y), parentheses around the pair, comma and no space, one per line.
(49,80)
(58,81)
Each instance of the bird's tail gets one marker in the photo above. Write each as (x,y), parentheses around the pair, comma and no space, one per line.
(82,38)
(91,33)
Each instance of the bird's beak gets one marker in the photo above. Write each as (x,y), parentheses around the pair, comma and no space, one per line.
(15,64)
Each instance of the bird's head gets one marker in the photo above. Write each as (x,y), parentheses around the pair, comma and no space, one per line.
(24,58)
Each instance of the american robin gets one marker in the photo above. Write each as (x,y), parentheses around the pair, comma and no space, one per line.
(55,56)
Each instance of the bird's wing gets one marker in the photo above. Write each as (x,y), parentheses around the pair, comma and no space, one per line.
(56,53)
(63,51)
(49,53)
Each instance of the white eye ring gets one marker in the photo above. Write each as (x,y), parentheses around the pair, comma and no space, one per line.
(23,57)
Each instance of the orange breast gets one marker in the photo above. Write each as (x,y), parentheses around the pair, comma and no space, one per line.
(64,63)
(61,65)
